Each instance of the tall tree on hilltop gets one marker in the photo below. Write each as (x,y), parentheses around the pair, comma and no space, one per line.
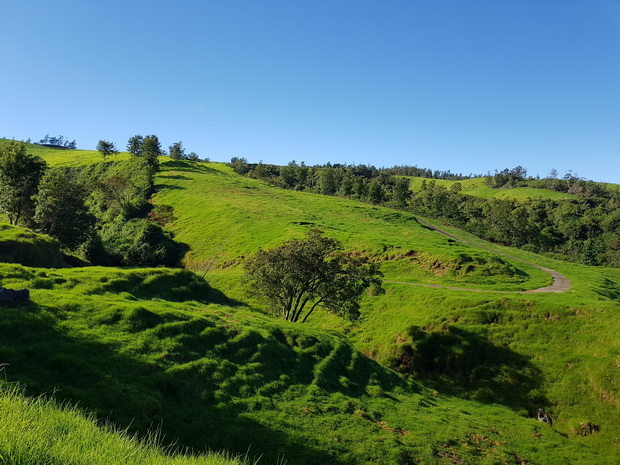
(177,152)
(134,145)
(151,150)
(106,148)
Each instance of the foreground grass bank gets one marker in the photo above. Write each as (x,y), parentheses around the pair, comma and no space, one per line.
(161,347)
(40,431)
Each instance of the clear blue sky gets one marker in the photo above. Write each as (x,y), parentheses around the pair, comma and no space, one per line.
(469,86)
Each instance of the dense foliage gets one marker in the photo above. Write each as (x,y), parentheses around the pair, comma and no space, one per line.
(302,274)
(20,174)
(61,211)
(93,210)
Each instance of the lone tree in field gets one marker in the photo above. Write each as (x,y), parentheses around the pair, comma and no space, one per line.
(303,274)
(106,148)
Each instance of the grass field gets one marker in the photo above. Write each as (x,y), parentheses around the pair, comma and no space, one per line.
(577,380)
(66,157)
(160,347)
(478,188)
(428,375)
(223,217)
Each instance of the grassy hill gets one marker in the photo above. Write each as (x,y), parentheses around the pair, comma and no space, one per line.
(66,157)
(160,347)
(568,338)
(478,188)
(429,375)
(38,430)
(18,245)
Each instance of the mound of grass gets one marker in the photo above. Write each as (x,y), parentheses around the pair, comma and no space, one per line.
(19,245)
(40,431)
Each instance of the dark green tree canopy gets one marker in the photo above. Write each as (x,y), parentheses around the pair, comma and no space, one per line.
(302,274)
(147,147)
(106,148)
(176,151)
(61,211)
(20,174)
(134,145)
(151,150)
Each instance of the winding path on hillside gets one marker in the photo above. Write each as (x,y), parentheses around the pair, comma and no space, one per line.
(560,282)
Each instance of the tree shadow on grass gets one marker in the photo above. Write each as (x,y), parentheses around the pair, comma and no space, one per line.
(173,176)
(609,289)
(160,187)
(180,286)
(181,394)
(461,363)
(179,165)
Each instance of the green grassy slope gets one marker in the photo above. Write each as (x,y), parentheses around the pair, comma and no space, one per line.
(18,245)
(559,352)
(478,188)
(38,431)
(160,347)
(224,216)
(147,347)
(66,157)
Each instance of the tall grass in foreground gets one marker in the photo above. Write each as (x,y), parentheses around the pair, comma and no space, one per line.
(37,431)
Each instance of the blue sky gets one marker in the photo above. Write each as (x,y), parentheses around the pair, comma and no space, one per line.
(467,86)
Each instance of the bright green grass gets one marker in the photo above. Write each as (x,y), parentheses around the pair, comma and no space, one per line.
(67,157)
(223,217)
(521,351)
(149,347)
(39,431)
(18,245)
(477,188)
(559,351)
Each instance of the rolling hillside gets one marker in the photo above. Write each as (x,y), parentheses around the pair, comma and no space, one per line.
(569,339)
(449,366)
(478,188)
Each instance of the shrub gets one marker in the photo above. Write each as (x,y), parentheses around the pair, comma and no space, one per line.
(139,243)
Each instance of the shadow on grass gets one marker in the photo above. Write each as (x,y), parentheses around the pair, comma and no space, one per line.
(172,176)
(161,187)
(180,392)
(464,364)
(609,289)
(179,165)
(181,286)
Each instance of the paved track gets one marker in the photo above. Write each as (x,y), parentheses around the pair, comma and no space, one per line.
(560,282)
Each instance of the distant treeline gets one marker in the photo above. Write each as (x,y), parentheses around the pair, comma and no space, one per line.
(58,142)
(584,228)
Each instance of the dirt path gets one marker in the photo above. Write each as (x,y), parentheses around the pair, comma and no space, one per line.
(560,282)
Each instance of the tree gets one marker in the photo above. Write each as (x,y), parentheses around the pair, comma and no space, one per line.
(302,274)
(134,145)
(139,242)
(402,193)
(151,150)
(176,151)
(106,148)
(20,174)
(60,209)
